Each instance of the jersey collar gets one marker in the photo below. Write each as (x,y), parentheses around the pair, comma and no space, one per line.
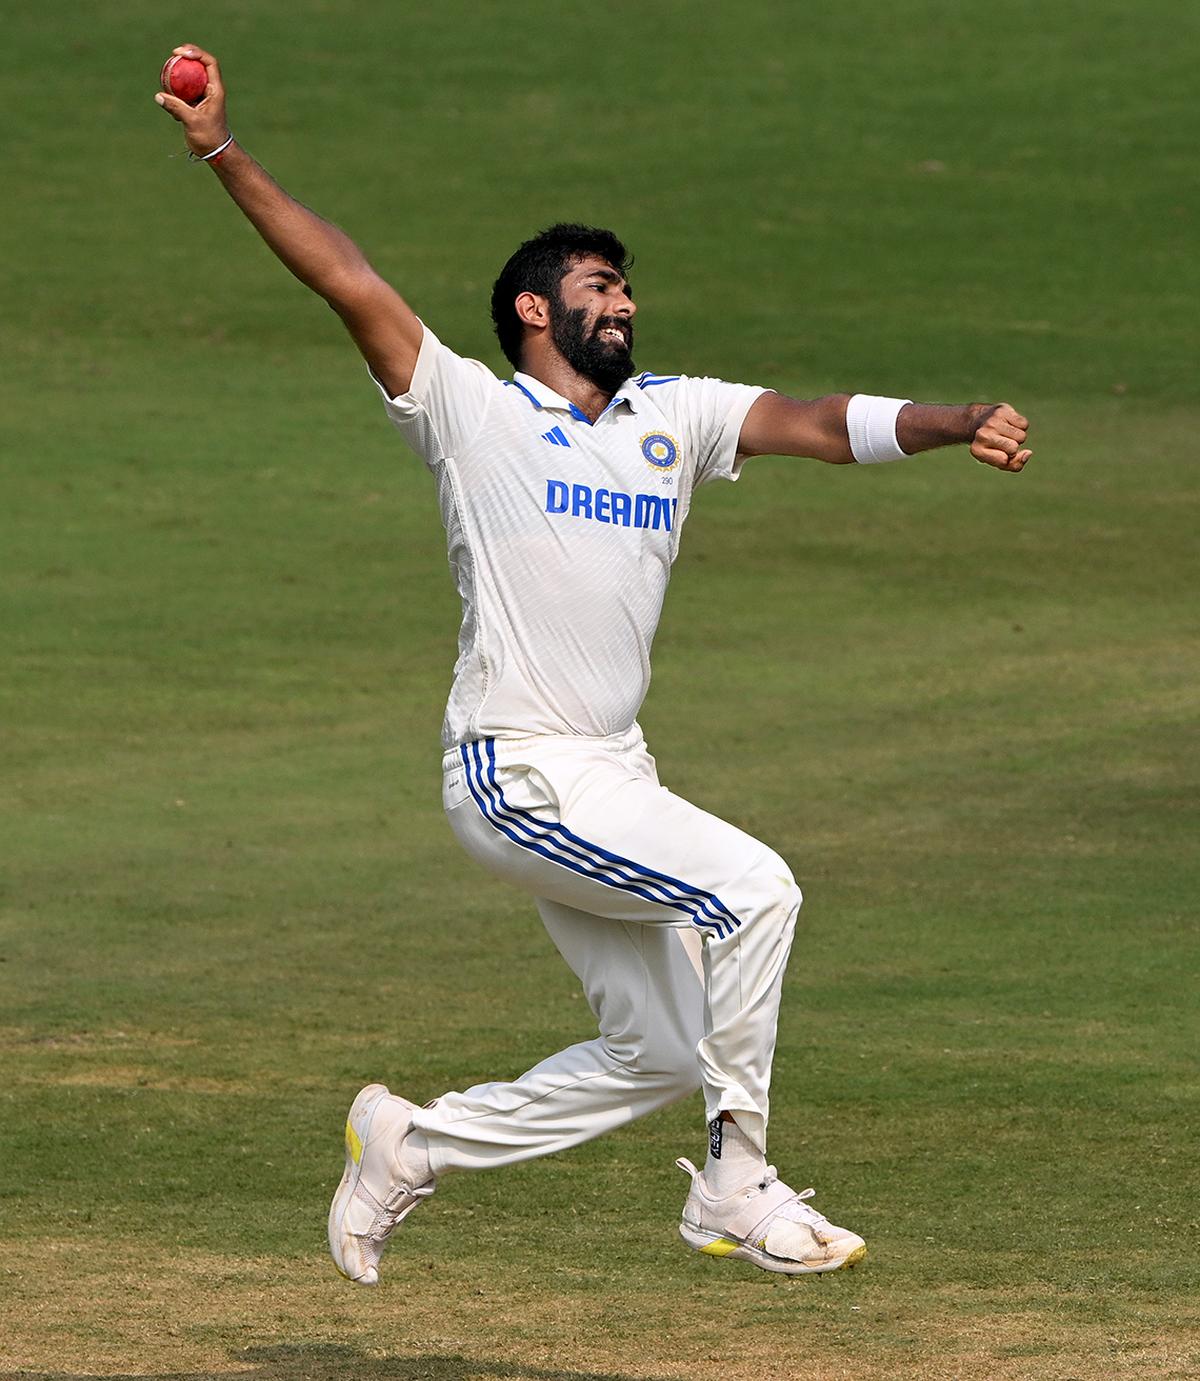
(542,396)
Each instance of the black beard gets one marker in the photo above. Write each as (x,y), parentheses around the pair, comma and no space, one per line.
(604,362)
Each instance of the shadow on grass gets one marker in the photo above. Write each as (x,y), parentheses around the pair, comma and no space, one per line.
(336,1362)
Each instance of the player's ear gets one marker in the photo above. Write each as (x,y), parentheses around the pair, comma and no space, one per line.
(533,309)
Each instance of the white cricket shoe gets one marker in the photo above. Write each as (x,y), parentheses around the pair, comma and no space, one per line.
(766,1223)
(372,1199)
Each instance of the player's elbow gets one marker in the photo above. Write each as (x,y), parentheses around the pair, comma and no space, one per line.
(356,292)
(833,445)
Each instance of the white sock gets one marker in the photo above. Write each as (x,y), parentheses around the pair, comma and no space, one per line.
(733,1160)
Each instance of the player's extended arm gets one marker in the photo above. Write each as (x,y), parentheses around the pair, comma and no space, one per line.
(780,426)
(321,256)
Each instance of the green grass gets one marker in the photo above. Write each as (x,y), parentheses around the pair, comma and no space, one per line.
(961,704)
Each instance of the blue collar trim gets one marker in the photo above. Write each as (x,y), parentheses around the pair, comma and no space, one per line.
(512,383)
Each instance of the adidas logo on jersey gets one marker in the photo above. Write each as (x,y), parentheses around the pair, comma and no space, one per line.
(556,437)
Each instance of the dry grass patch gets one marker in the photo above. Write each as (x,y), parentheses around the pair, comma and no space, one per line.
(79,1311)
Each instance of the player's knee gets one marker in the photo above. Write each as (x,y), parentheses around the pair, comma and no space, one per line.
(676,1070)
(666,1058)
(769,893)
(789,897)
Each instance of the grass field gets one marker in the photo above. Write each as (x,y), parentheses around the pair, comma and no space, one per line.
(962,704)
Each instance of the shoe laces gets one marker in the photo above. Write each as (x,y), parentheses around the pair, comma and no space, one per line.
(395,1207)
(795,1208)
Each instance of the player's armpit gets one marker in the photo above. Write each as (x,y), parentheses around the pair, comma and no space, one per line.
(385,328)
(780,426)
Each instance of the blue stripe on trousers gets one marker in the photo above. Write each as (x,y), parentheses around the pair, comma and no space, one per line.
(555,842)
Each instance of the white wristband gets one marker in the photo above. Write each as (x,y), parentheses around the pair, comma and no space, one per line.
(871,422)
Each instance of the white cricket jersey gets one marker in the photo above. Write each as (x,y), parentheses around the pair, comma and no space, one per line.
(561,533)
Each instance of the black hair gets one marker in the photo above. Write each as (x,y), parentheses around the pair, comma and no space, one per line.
(538,267)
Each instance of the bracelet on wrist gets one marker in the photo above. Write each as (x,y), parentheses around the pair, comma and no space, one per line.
(210,157)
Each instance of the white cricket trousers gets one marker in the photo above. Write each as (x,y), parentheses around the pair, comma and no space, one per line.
(677,924)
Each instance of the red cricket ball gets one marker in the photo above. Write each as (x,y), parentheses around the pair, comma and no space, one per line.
(185,78)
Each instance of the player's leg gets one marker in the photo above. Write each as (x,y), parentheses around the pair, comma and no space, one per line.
(597,831)
(643,984)
(645,991)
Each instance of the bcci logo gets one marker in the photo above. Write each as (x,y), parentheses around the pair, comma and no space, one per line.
(660,450)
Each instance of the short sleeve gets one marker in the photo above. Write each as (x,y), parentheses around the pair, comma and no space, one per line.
(715,411)
(445,404)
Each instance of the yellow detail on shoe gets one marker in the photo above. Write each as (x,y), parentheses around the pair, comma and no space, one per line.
(856,1256)
(353,1144)
(721,1247)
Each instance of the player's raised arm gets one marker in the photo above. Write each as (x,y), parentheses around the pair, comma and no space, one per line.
(321,256)
(842,429)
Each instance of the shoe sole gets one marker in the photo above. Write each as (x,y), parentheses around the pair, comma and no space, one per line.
(358,1130)
(730,1249)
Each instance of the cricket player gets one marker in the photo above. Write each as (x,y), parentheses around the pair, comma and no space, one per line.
(564,490)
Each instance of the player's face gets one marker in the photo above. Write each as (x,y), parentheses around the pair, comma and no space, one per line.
(592,322)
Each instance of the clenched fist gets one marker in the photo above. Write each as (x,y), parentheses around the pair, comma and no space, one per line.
(999,440)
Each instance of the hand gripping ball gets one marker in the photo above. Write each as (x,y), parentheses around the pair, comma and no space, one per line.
(185,78)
